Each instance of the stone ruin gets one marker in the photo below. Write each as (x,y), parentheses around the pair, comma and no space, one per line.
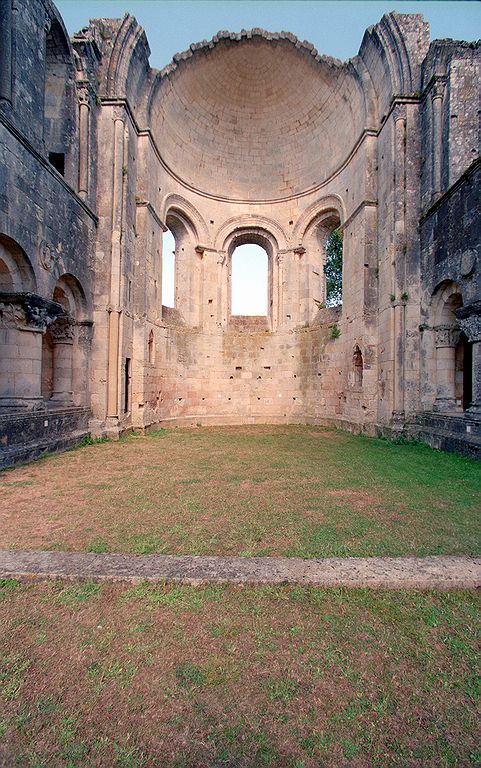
(249,138)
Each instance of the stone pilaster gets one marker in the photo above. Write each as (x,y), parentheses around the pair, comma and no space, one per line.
(446,339)
(6,18)
(62,333)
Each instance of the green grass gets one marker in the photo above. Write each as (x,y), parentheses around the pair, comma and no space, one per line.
(274,676)
(271,490)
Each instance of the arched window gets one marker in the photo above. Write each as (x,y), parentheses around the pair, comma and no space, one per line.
(168,269)
(249,280)
(151,348)
(453,352)
(333,268)
(357,366)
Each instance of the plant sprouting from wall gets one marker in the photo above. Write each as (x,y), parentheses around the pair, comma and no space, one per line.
(333,268)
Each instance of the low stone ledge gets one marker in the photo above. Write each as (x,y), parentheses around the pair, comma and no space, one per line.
(436,572)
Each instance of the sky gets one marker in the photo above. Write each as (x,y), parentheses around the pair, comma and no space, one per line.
(335,27)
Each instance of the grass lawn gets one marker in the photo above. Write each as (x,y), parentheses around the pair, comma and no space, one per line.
(269,490)
(205,677)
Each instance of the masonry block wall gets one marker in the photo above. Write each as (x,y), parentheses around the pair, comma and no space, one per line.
(102,154)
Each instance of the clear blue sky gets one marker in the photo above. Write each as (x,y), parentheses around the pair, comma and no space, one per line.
(335,28)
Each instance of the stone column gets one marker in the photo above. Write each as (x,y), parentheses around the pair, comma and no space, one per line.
(446,339)
(114,309)
(23,320)
(62,333)
(84,125)
(472,328)
(437,96)
(6,16)
(399,276)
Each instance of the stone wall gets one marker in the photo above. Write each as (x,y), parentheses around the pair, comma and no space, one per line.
(100,155)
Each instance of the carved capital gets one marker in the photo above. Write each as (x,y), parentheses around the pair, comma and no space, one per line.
(84,92)
(28,311)
(437,91)
(62,330)
(446,336)
(11,315)
(399,112)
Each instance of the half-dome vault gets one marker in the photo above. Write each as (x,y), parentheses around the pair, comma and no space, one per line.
(256,116)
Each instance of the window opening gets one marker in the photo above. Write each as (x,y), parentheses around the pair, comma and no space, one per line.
(151,347)
(464,372)
(57,159)
(333,268)
(168,269)
(249,280)
(127,378)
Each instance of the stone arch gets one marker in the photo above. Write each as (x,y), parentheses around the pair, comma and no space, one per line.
(71,296)
(314,213)
(176,205)
(185,224)
(250,222)
(266,240)
(65,359)
(452,350)
(16,271)
(312,233)
(130,52)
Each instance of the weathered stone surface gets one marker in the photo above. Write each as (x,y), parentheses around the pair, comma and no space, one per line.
(437,572)
(100,154)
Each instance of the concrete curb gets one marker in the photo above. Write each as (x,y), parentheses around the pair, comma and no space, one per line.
(436,572)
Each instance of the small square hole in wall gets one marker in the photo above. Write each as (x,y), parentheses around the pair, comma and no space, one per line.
(238,367)
(210,301)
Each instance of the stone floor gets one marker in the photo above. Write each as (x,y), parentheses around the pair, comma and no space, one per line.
(437,572)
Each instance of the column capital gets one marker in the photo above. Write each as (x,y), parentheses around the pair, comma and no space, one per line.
(28,311)
(62,329)
(446,336)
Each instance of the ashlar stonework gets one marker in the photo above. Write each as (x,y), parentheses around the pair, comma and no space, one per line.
(251,137)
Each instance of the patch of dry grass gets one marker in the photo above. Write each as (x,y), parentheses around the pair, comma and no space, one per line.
(222,676)
(269,490)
